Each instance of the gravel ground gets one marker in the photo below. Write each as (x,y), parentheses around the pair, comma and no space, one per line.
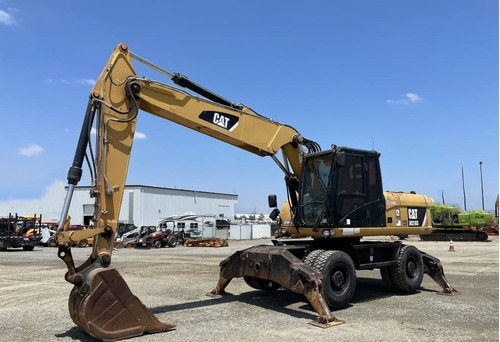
(172,282)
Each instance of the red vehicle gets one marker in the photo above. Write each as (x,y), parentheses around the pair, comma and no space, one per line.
(153,237)
(146,235)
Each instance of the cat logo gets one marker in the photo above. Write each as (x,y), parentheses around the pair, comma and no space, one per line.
(223,120)
(416,217)
(412,214)
(220,120)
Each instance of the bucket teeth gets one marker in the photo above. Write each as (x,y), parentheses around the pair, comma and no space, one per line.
(109,311)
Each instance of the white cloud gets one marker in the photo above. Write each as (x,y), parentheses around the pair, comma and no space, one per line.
(413,97)
(86,81)
(408,99)
(7,18)
(31,150)
(140,135)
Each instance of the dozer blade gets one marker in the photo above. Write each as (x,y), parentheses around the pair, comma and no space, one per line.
(106,309)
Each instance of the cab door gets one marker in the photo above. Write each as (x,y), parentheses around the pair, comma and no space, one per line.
(359,200)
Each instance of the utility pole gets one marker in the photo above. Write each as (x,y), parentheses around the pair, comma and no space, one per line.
(463,187)
(482,191)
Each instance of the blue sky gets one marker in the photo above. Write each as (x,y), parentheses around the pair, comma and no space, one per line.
(416,80)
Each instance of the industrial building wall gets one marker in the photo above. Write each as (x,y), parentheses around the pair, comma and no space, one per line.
(141,205)
(145,206)
(149,204)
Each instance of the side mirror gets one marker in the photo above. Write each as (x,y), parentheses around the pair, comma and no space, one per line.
(273,202)
(274,214)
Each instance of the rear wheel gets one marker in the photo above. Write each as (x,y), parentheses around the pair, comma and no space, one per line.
(28,248)
(339,277)
(172,242)
(407,275)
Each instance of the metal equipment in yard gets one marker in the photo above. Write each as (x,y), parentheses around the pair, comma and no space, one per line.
(335,199)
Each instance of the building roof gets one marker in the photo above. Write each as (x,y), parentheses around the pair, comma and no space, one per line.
(128,186)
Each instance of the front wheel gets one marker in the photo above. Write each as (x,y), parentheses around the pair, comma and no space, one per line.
(339,277)
(407,275)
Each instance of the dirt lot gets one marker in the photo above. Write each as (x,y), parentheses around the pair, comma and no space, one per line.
(172,282)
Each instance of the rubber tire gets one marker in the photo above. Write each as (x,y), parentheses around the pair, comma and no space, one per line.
(157,244)
(28,248)
(310,259)
(385,272)
(337,264)
(261,284)
(172,242)
(407,275)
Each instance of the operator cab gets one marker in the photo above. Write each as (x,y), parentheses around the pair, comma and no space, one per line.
(341,187)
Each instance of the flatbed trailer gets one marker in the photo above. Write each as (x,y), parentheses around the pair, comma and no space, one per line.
(20,232)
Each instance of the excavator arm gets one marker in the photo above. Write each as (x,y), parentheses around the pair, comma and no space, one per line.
(114,105)
(101,303)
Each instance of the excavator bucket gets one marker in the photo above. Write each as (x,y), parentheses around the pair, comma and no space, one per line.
(106,309)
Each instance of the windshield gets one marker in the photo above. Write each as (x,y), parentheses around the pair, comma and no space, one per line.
(315,186)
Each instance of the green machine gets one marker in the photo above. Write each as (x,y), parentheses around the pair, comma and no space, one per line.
(452,223)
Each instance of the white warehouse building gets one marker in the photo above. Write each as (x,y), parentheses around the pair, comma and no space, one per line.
(141,204)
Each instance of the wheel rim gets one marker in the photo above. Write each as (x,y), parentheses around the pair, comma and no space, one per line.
(338,279)
(411,268)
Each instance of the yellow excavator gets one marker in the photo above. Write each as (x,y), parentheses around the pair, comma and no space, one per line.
(335,199)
